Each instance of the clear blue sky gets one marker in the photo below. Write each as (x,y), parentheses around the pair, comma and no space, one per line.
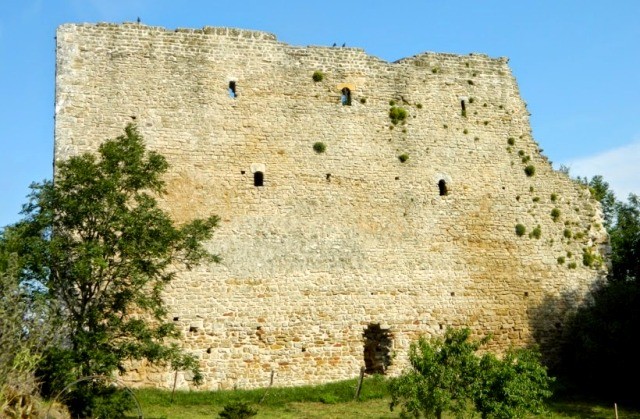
(577,64)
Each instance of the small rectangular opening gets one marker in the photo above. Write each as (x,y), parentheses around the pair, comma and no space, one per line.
(232,90)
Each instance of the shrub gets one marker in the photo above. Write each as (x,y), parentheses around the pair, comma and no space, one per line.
(403,157)
(319,147)
(572,265)
(317,76)
(511,387)
(511,141)
(419,106)
(561,260)
(237,410)
(555,214)
(554,197)
(446,375)
(397,114)
(536,233)
(530,170)
(567,233)
(589,258)
(363,100)
(520,230)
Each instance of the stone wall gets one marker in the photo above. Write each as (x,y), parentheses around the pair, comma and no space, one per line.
(344,241)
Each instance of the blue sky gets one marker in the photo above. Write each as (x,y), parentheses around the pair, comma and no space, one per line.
(576,63)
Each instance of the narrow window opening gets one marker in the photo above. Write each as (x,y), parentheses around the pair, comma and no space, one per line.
(377,349)
(463,105)
(442,186)
(346,97)
(258,179)
(232,90)
(242,172)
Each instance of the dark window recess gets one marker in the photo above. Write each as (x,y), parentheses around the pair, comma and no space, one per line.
(463,105)
(442,186)
(377,349)
(232,90)
(345,99)
(258,179)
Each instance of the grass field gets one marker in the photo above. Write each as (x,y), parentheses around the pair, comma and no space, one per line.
(333,400)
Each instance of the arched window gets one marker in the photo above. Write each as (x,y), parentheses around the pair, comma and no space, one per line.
(442,185)
(346,97)
(258,179)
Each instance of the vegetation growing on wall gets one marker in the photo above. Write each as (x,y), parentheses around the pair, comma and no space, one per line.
(317,76)
(397,114)
(319,147)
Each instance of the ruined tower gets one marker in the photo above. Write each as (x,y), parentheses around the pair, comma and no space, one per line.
(363,203)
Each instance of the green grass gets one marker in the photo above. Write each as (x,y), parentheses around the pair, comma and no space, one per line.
(334,400)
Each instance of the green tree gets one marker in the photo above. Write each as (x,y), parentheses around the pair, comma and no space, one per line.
(599,354)
(96,239)
(447,375)
(25,332)
(511,387)
(441,377)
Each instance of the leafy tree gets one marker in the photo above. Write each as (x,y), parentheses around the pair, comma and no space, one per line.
(100,246)
(441,376)
(25,332)
(599,353)
(513,386)
(447,375)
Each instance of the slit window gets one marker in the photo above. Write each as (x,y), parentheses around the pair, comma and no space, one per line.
(442,186)
(345,99)
(232,90)
(258,179)
(463,105)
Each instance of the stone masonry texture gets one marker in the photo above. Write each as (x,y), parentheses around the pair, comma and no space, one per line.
(351,239)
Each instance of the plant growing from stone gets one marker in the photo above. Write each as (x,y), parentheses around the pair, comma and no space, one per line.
(555,214)
(397,114)
(319,147)
(317,76)
(530,170)
(520,230)
(403,157)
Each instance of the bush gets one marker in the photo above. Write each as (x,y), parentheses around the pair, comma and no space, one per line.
(530,170)
(237,410)
(317,76)
(520,230)
(446,375)
(319,147)
(403,157)
(511,387)
(555,214)
(511,141)
(397,114)
(536,233)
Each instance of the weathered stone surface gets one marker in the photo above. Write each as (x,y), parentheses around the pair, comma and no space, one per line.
(337,241)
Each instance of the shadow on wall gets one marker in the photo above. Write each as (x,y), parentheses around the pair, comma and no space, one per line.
(549,323)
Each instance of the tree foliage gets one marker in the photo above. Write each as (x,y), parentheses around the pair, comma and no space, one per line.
(447,375)
(599,355)
(25,332)
(99,244)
